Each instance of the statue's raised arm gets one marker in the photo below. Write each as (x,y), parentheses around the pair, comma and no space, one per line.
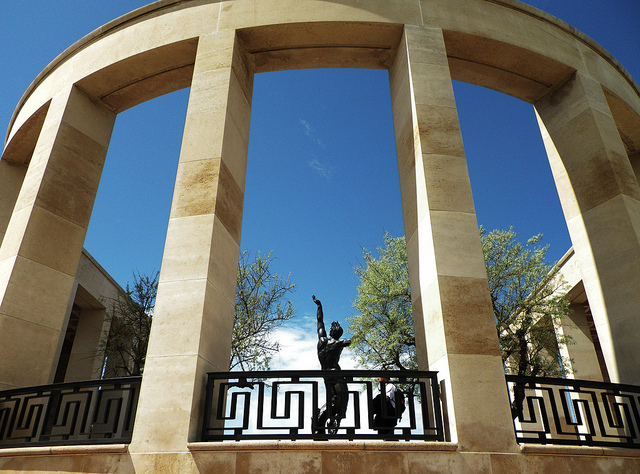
(322,332)
(329,347)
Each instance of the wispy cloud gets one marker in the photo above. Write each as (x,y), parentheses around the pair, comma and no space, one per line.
(323,169)
(310,133)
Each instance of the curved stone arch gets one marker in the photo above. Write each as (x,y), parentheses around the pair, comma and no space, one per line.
(171,44)
(477,22)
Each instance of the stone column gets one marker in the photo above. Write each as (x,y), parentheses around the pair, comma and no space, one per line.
(41,249)
(582,351)
(84,363)
(600,199)
(453,316)
(634,158)
(11,178)
(13,164)
(193,317)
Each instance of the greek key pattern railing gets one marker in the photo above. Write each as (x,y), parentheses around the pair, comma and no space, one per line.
(97,411)
(575,412)
(291,404)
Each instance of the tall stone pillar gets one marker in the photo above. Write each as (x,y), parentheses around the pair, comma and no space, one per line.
(453,316)
(582,351)
(11,178)
(40,253)
(634,158)
(84,364)
(600,199)
(193,317)
(13,164)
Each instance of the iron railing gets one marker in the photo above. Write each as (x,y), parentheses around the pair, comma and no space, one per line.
(91,412)
(287,404)
(575,412)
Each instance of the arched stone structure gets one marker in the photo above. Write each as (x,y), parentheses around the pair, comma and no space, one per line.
(589,111)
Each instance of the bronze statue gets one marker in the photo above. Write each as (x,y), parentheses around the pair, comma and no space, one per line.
(329,351)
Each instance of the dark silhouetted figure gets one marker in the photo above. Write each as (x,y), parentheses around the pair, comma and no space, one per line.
(329,351)
(384,408)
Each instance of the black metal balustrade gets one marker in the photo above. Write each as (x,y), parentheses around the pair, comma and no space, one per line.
(575,412)
(286,404)
(92,412)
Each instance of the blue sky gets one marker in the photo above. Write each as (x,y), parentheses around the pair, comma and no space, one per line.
(322,177)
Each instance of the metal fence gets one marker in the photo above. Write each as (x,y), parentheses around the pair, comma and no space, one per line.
(289,404)
(97,411)
(575,412)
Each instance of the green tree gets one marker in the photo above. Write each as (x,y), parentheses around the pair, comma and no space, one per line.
(131,313)
(382,333)
(528,299)
(526,292)
(261,306)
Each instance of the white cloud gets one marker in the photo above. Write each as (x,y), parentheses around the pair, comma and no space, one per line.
(306,126)
(310,133)
(322,168)
(298,349)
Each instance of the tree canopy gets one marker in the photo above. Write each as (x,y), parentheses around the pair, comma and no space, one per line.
(382,332)
(528,299)
(526,293)
(261,306)
(131,312)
